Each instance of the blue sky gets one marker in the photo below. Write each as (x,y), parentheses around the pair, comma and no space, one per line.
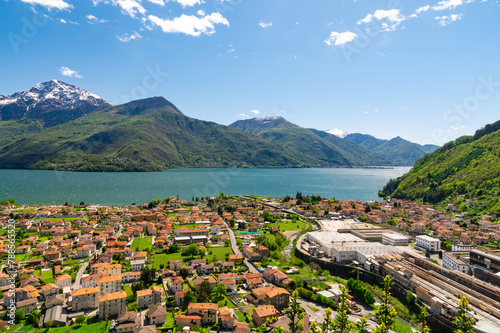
(425,70)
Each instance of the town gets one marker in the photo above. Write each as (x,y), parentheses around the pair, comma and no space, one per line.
(236,263)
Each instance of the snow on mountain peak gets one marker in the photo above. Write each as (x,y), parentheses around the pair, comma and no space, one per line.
(268,119)
(60,93)
(337,132)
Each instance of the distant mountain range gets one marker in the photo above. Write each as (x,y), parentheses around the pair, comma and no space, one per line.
(59,126)
(335,146)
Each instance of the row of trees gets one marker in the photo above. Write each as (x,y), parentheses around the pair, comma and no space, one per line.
(360,291)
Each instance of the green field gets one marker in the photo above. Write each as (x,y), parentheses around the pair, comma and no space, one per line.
(163,258)
(220,252)
(47,277)
(289,225)
(241,316)
(142,243)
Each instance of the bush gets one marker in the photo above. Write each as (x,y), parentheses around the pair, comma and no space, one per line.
(360,291)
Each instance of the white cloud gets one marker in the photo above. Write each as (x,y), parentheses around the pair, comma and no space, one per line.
(256,112)
(70,73)
(128,7)
(265,25)
(50,4)
(63,21)
(187,3)
(200,12)
(448,4)
(129,37)
(92,19)
(445,20)
(243,115)
(394,16)
(340,38)
(422,9)
(190,24)
(158,2)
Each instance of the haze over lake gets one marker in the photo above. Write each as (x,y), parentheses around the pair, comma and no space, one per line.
(36,186)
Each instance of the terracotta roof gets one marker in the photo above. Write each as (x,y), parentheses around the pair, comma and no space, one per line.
(85,291)
(110,278)
(265,311)
(203,306)
(112,296)
(146,292)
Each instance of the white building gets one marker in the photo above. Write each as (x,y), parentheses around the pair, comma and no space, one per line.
(453,262)
(137,265)
(428,243)
(395,239)
(361,252)
(326,240)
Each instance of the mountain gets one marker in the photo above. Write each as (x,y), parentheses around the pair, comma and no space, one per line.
(318,144)
(397,150)
(337,132)
(467,168)
(53,102)
(144,135)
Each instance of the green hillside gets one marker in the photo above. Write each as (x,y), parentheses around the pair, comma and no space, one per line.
(467,168)
(317,144)
(145,135)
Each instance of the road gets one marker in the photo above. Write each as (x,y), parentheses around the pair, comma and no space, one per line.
(82,269)
(236,250)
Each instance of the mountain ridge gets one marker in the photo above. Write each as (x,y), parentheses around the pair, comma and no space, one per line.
(465,169)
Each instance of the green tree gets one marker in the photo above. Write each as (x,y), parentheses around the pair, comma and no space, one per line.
(422,319)
(34,318)
(385,313)
(361,326)
(409,297)
(20,316)
(184,272)
(328,323)
(204,292)
(80,319)
(465,323)
(192,250)
(341,323)
(188,298)
(220,290)
(294,312)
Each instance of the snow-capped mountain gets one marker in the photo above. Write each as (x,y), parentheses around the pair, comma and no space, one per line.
(43,99)
(268,119)
(337,132)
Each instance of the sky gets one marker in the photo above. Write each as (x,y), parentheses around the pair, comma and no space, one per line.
(425,70)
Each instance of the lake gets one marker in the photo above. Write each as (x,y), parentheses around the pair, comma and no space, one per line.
(37,186)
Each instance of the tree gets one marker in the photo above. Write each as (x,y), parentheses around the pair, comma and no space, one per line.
(465,323)
(148,275)
(192,250)
(341,323)
(188,298)
(328,324)
(421,317)
(173,248)
(99,245)
(385,314)
(184,272)
(34,317)
(427,255)
(294,312)
(361,326)
(204,292)
(20,316)
(220,290)
(80,319)
(409,297)
(227,242)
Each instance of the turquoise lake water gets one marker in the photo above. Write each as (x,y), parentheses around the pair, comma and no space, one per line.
(34,186)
